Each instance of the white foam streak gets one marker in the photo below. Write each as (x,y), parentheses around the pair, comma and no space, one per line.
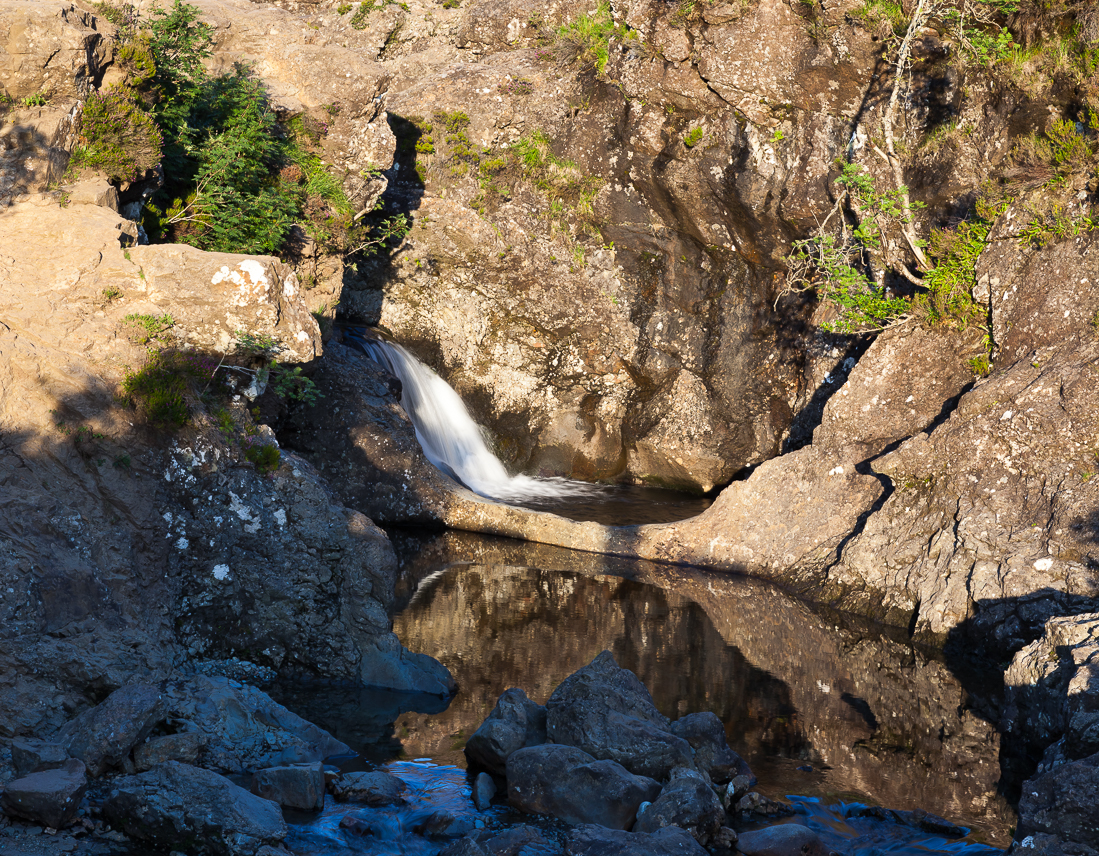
(452,441)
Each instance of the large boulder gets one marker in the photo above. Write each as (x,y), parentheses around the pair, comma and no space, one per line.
(51,798)
(374,788)
(706,735)
(515,722)
(688,802)
(242,728)
(569,784)
(299,787)
(176,804)
(1062,803)
(104,736)
(606,711)
(1052,689)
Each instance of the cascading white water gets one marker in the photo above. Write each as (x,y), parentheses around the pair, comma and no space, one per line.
(450,438)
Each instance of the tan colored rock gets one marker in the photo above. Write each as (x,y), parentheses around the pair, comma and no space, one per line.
(49,48)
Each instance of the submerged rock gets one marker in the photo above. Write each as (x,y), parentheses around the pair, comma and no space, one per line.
(375,788)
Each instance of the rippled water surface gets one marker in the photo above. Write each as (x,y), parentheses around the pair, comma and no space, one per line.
(837,714)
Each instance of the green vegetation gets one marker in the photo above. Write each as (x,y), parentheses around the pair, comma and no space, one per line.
(235,180)
(358,20)
(587,39)
(265,456)
(36,100)
(343,8)
(160,389)
(143,329)
(693,137)
(117,135)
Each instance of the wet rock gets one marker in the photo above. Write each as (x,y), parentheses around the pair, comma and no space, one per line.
(687,802)
(515,722)
(32,756)
(176,804)
(591,840)
(918,819)
(755,805)
(521,840)
(464,847)
(443,824)
(570,784)
(300,787)
(241,727)
(186,747)
(104,736)
(359,825)
(784,839)
(51,798)
(724,843)
(606,711)
(374,788)
(484,789)
(1062,803)
(712,754)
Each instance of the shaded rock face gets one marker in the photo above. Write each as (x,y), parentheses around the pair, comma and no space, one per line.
(515,722)
(590,840)
(51,798)
(1062,803)
(115,558)
(176,804)
(568,783)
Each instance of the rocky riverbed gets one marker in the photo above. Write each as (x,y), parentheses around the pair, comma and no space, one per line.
(611,306)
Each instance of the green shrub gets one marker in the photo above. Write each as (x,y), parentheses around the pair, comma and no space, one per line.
(266,457)
(693,137)
(161,388)
(117,136)
(588,38)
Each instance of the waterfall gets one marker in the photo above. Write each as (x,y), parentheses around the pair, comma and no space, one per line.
(450,438)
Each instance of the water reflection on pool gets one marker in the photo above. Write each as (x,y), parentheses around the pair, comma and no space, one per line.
(838,714)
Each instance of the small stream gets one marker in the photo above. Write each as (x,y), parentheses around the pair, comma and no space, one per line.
(832,715)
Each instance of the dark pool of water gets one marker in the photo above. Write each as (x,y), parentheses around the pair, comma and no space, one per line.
(837,714)
(626,505)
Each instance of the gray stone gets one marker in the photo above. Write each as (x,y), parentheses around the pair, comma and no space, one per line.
(1063,802)
(185,747)
(300,787)
(589,840)
(32,756)
(374,788)
(570,784)
(484,789)
(176,804)
(687,802)
(606,711)
(51,798)
(242,728)
(784,839)
(515,722)
(104,736)
(706,734)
